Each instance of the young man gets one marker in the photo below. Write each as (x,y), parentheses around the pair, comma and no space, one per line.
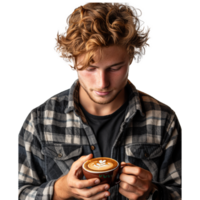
(102,114)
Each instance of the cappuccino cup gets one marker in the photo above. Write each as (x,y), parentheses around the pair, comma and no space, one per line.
(103,168)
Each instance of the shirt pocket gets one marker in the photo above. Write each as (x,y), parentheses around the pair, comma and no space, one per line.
(59,158)
(146,156)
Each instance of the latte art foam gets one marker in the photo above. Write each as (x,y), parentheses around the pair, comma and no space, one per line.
(100,164)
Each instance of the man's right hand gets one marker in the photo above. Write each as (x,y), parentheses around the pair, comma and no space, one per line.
(71,186)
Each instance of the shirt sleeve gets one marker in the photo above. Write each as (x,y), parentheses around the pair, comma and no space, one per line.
(32,182)
(170,171)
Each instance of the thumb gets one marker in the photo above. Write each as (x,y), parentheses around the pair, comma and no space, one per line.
(83,159)
(78,171)
(77,164)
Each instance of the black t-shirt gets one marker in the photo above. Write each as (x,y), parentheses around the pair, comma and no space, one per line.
(106,128)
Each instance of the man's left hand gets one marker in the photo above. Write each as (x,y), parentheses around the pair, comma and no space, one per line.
(135,182)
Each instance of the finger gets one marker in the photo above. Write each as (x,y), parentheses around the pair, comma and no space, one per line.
(129,195)
(129,188)
(77,164)
(80,184)
(135,181)
(97,192)
(138,171)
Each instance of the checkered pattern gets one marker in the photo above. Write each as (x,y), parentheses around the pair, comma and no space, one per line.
(56,134)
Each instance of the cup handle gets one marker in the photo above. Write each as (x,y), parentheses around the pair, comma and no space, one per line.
(119,172)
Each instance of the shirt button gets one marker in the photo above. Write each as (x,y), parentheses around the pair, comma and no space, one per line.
(92,147)
(59,155)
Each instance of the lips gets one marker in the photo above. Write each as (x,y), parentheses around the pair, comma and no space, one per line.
(102,93)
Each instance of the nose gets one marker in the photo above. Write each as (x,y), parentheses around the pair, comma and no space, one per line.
(103,80)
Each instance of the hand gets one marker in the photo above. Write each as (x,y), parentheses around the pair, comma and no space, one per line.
(70,186)
(135,182)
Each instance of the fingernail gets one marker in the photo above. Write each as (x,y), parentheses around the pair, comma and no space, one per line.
(106,195)
(97,181)
(106,187)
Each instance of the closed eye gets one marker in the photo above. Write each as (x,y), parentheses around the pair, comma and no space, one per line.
(110,69)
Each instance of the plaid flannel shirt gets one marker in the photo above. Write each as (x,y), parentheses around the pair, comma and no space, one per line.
(56,133)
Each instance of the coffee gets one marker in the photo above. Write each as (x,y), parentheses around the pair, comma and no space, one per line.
(100,164)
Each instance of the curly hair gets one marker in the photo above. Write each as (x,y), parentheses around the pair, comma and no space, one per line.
(98,25)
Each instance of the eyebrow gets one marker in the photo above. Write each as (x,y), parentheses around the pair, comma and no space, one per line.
(119,63)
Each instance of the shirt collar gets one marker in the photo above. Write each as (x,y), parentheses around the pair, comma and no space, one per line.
(134,104)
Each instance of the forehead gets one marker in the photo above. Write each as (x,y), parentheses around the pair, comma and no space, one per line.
(112,53)
(104,57)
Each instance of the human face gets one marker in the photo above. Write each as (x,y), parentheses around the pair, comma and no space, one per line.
(104,80)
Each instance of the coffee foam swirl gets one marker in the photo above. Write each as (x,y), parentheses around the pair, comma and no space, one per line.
(100,165)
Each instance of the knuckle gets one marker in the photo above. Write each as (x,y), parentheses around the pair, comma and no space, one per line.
(78,185)
(126,186)
(124,170)
(138,171)
(133,180)
(87,194)
(122,185)
(70,184)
